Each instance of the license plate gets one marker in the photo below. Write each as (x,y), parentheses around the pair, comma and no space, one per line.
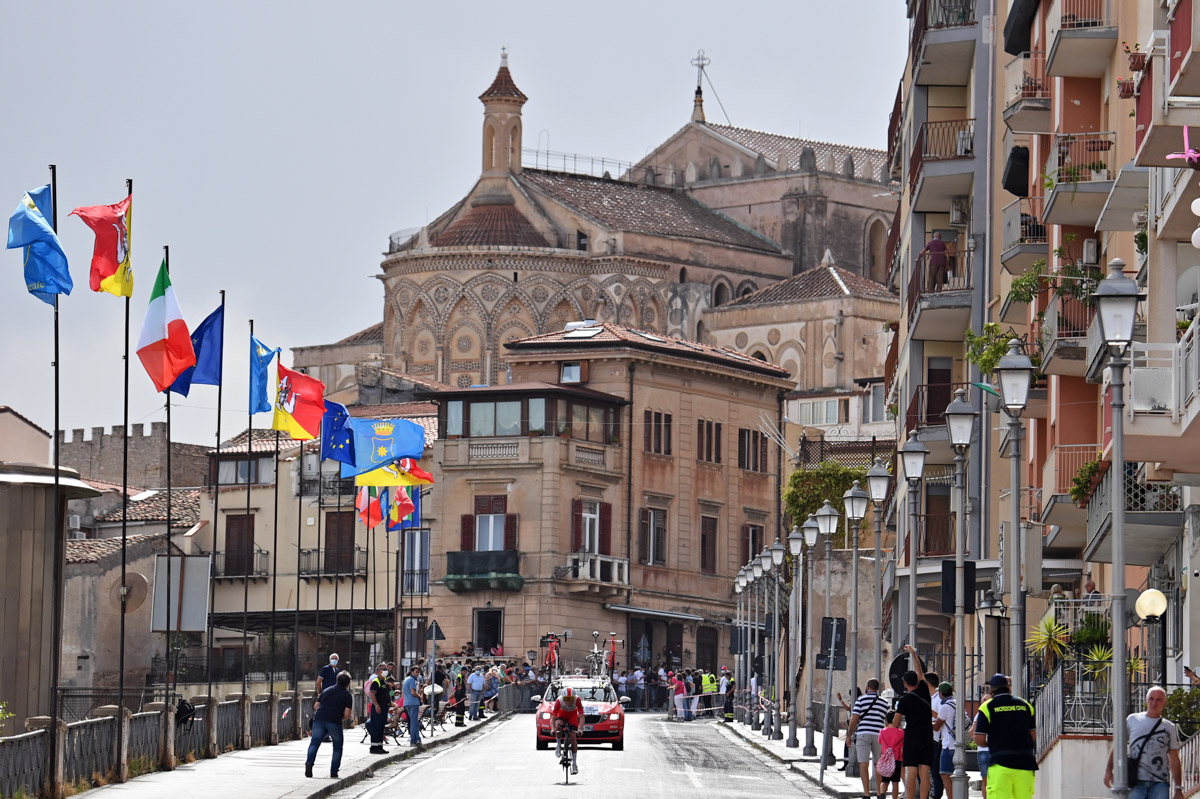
(587,727)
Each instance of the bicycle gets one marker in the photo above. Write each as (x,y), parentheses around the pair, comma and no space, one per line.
(563,748)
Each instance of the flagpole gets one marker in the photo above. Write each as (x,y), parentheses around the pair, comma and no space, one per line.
(274,565)
(212,597)
(337,584)
(320,566)
(299,552)
(247,567)
(167,266)
(60,544)
(124,510)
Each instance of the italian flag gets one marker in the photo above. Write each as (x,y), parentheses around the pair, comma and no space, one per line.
(165,346)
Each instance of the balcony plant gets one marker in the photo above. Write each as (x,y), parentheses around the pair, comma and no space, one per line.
(1183,707)
(1125,88)
(1181,327)
(1137,59)
(1141,241)
(986,349)
(1098,170)
(1085,481)
(564,431)
(1050,640)
(1092,632)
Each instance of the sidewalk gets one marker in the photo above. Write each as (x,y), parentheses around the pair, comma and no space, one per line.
(277,772)
(837,784)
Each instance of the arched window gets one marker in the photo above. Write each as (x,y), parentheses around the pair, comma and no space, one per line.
(877,267)
(514,146)
(720,294)
(489,147)
(762,356)
(683,274)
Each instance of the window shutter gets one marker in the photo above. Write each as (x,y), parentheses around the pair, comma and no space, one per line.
(762,453)
(660,542)
(700,440)
(717,443)
(467,538)
(708,545)
(742,448)
(605,528)
(648,431)
(576,525)
(510,531)
(499,504)
(666,434)
(643,535)
(745,543)
(483,505)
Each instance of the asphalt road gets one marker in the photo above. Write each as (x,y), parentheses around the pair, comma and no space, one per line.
(696,759)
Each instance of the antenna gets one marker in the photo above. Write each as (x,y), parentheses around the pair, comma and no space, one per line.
(766,426)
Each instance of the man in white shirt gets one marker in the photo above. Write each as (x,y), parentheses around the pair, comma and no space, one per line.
(724,687)
(637,688)
(943,728)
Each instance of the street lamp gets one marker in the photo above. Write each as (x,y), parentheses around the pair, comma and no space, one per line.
(777,554)
(767,561)
(795,542)
(753,578)
(854,501)
(1015,373)
(879,480)
(738,587)
(1116,299)
(827,523)
(912,456)
(960,424)
(810,530)
(1151,606)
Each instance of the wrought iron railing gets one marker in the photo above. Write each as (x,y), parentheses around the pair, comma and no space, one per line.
(416,581)
(328,485)
(938,14)
(941,141)
(927,408)
(1080,158)
(191,738)
(932,276)
(333,562)
(229,726)
(241,564)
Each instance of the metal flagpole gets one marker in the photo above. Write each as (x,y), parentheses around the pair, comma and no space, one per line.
(216,477)
(124,510)
(299,553)
(167,394)
(320,565)
(60,544)
(337,584)
(247,530)
(274,565)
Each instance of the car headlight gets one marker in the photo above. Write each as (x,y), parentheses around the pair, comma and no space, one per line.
(614,716)
(545,715)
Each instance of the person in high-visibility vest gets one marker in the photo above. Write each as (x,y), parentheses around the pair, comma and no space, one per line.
(708,685)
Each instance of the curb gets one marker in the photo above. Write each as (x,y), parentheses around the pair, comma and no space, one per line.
(330,788)
(795,766)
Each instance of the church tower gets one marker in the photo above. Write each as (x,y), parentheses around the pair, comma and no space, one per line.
(502,124)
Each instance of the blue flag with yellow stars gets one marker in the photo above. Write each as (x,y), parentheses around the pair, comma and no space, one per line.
(337,435)
(208,339)
(46,272)
(260,358)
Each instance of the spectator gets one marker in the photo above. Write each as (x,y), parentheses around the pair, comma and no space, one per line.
(459,700)
(1006,726)
(497,650)
(1154,750)
(680,695)
(920,756)
(943,727)
(937,261)
(475,684)
(867,720)
(411,695)
(491,688)
(892,737)
(331,710)
(637,688)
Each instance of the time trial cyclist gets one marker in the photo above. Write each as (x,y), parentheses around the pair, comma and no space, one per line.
(567,715)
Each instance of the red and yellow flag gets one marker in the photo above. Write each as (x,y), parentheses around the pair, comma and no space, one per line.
(299,404)
(400,472)
(110,258)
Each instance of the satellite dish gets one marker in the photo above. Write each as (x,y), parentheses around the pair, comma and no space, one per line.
(138,590)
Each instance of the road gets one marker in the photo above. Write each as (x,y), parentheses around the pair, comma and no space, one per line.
(659,760)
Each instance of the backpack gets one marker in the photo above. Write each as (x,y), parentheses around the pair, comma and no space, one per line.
(886,766)
(185,713)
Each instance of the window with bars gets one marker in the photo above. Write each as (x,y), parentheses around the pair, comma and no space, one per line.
(652,537)
(752,450)
(490,528)
(708,544)
(708,441)
(656,432)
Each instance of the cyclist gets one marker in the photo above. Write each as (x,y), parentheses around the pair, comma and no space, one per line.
(567,714)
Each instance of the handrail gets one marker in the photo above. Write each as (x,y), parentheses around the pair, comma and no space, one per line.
(1025,78)
(936,278)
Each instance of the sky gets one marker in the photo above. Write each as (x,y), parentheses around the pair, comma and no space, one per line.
(275,144)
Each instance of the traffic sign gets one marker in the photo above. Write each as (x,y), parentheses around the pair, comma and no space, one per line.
(434,633)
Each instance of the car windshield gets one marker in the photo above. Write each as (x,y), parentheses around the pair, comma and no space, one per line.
(592,693)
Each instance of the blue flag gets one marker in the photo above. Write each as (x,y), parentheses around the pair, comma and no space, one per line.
(337,434)
(385,504)
(414,519)
(46,272)
(208,340)
(378,442)
(260,359)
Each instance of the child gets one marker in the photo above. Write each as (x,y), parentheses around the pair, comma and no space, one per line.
(892,737)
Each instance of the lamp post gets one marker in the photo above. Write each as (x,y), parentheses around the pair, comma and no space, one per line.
(827,523)
(810,530)
(1151,606)
(795,542)
(879,479)
(912,456)
(960,424)
(1015,371)
(854,501)
(768,664)
(756,568)
(1116,299)
(738,587)
(777,553)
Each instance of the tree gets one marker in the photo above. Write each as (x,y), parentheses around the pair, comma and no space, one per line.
(807,490)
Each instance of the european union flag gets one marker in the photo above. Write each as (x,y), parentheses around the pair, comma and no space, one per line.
(260,359)
(208,340)
(380,441)
(46,272)
(337,434)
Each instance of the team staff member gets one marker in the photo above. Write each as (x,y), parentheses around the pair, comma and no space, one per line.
(1006,726)
(379,698)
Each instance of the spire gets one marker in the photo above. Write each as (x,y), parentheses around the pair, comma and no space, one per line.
(503,90)
(698,107)
(699,62)
(502,123)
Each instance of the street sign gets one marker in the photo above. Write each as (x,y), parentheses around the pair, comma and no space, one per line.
(434,633)
(833,631)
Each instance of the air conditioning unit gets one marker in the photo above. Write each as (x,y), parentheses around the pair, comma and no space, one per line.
(959,211)
(966,143)
(1091,252)
(72,522)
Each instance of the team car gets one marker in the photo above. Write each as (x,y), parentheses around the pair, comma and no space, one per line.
(603,714)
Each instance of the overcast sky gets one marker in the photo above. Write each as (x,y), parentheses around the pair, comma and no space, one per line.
(275,145)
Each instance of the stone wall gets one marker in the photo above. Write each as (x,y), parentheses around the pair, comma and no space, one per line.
(100,457)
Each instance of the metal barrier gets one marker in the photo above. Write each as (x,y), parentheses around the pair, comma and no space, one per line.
(306,714)
(22,763)
(90,749)
(229,726)
(191,738)
(144,730)
(260,722)
(286,725)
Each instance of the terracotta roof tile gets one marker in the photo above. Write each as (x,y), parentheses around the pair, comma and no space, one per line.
(503,88)
(372,335)
(824,281)
(422,413)
(609,334)
(105,487)
(185,508)
(92,550)
(262,441)
(867,162)
(491,225)
(637,208)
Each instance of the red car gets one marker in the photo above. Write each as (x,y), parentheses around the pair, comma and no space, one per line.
(603,714)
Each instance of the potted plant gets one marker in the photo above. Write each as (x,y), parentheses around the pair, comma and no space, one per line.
(564,431)
(1141,241)
(537,431)
(1181,327)
(1081,483)
(1137,59)
(1091,633)
(1050,639)
(1125,88)
(1098,170)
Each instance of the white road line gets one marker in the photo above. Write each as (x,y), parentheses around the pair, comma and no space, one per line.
(510,768)
(378,788)
(691,775)
(742,777)
(633,770)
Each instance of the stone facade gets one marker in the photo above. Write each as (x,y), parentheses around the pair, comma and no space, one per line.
(100,457)
(22,441)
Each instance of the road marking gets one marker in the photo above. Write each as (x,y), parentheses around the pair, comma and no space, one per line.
(510,768)
(378,788)
(691,775)
(742,777)
(637,770)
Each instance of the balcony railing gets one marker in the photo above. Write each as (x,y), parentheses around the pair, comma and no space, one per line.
(1061,465)
(1076,14)
(1067,317)
(416,581)
(933,275)
(333,562)
(936,15)
(893,242)
(1140,496)
(1081,158)
(927,408)
(1023,222)
(598,568)
(895,125)
(1025,79)
(329,485)
(890,361)
(940,141)
(937,533)
(241,564)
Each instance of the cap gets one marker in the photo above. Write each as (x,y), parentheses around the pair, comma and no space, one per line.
(381,666)
(945,689)
(998,681)
(724,668)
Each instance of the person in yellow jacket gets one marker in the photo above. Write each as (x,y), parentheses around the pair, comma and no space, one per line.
(708,686)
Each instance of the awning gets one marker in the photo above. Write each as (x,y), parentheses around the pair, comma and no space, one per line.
(666,614)
(1129,195)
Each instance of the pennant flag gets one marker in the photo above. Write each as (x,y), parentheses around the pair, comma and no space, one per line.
(299,404)
(401,472)
(401,508)
(368,507)
(208,342)
(381,441)
(260,359)
(46,272)
(413,519)
(110,258)
(337,435)
(165,346)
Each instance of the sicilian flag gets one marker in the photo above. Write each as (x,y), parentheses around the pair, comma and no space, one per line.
(165,346)
(299,404)
(368,507)
(400,472)
(400,508)
(110,257)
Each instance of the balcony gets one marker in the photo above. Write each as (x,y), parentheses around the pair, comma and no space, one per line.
(895,126)
(1096,357)
(232,564)
(939,297)
(1185,49)
(943,42)
(1066,522)
(497,570)
(1153,517)
(1081,168)
(415,581)
(1172,191)
(937,534)
(1027,94)
(474,453)
(1082,35)
(1024,235)
(589,573)
(333,563)
(1064,332)
(328,485)
(1163,403)
(927,408)
(941,166)
(1159,125)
